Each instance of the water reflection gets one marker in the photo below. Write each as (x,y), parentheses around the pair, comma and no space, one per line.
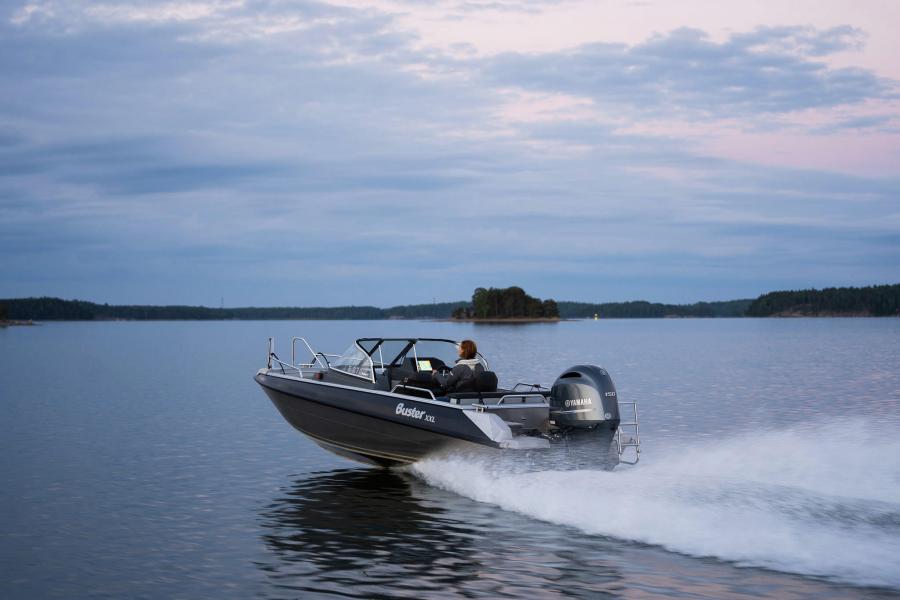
(382,534)
(354,531)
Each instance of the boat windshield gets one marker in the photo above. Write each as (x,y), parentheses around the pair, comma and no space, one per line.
(354,362)
(373,355)
(388,350)
(431,354)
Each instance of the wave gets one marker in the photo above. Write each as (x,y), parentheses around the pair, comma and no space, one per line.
(823,500)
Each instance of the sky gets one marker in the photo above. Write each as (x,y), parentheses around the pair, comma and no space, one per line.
(288,153)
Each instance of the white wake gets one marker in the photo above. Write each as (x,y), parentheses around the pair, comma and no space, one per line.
(822,501)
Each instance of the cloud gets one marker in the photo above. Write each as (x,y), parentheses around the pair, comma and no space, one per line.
(769,71)
(884,123)
(802,41)
(303,153)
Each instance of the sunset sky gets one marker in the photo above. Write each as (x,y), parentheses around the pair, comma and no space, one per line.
(397,152)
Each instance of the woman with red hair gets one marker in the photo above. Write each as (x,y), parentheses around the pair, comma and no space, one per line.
(462,377)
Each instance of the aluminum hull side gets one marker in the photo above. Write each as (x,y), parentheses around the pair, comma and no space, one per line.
(365,426)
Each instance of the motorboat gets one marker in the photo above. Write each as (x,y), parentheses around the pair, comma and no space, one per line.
(380,403)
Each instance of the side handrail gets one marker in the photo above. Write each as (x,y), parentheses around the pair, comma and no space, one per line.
(503,398)
(412,387)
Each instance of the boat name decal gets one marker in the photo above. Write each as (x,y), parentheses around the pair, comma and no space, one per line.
(578,402)
(413,413)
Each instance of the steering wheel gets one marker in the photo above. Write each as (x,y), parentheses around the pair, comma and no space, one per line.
(443,370)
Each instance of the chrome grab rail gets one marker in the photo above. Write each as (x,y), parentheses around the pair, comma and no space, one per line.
(273,358)
(412,387)
(315,354)
(502,399)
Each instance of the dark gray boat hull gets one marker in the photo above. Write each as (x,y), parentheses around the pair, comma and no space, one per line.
(371,426)
(381,428)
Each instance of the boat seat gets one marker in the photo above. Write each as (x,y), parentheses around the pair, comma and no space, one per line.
(482,382)
(485,382)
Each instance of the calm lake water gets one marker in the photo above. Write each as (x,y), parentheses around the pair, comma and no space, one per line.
(140,460)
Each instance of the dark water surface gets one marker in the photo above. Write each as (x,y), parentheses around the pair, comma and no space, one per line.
(140,460)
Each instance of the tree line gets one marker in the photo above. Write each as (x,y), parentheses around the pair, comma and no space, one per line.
(56,309)
(876,300)
(486,303)
(641,309)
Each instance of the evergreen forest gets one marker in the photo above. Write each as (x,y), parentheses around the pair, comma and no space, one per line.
(875,301)
(506,303)
(486,303)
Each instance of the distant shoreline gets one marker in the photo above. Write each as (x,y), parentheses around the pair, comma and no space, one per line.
(508,320)
(783,317)
(825,315)
(871,301)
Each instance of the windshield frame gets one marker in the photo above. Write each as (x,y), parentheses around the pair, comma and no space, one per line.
(376,348)
(336,366)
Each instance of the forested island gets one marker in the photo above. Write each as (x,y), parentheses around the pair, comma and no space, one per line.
(486,303)
(512,303)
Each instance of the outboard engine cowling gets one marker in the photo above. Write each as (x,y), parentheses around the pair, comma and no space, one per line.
(584,397)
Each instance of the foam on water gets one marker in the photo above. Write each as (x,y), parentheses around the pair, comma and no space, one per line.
(822,500)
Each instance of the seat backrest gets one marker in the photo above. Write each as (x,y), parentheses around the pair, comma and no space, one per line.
(485,381)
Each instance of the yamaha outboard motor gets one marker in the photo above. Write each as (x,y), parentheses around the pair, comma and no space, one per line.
(585,411)
(584,397)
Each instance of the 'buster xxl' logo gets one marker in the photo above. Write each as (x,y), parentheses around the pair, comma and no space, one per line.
(413,413)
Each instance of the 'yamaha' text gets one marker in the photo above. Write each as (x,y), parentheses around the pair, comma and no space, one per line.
(578,402)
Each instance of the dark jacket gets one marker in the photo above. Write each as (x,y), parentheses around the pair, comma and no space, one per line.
(461,378)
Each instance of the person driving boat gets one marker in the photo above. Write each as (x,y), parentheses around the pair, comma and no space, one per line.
(462,377)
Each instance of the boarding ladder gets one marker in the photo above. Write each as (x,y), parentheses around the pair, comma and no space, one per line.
(628,434)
